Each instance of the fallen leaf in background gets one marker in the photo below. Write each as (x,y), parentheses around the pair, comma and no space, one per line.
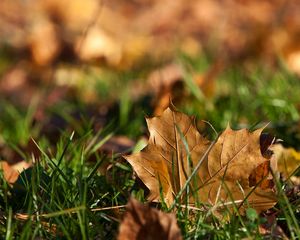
(143,222)
(128,35)
(15,85)
(74,15)
(44,41)
(11,172)
(236,30)
(166,83)
(165,77)
(271,229)
(13,157)
(288,159)
(174,148)
(14,78)
(117,144)
(207,80)
(293,60)
(99,45)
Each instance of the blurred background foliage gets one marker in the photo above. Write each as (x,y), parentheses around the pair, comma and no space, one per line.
(106,64)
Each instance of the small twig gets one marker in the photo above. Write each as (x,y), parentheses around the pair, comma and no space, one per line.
(107,208)
(21,216)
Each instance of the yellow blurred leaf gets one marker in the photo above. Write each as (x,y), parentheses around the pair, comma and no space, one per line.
(288,159)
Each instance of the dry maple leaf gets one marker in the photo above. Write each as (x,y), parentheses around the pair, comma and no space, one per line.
(164,160)
(175,147)
(143,222)
(232,160)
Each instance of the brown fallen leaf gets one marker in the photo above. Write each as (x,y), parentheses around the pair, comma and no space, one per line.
(44,41)
(11,172)
(175,147)
(166,83)
(99,45)
(117,144)
(143,222)
(207,80)
(231,161)
(164,160)
(13,157)
(270,229)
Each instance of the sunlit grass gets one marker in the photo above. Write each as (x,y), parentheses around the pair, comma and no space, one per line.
(76,191)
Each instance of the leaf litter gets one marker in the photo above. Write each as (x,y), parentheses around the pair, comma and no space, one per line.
(235,174)
(143,222)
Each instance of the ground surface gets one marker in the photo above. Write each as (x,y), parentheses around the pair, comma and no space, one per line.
(76,87)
